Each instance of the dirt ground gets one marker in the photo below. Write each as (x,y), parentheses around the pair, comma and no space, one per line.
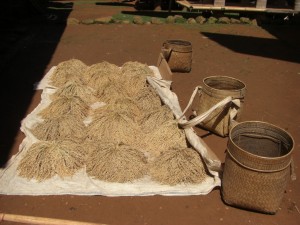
(266,58)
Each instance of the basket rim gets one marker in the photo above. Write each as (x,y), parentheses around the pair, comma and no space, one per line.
(227,77)
(257,156)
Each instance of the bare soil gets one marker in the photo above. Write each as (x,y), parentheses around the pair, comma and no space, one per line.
(266,58)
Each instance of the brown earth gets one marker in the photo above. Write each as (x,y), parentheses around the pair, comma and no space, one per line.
(265,57)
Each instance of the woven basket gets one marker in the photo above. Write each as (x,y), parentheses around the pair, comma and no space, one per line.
(178,54)
(257,166)
(215,89)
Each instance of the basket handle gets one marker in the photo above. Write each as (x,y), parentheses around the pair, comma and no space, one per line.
(198,119)
(166,53)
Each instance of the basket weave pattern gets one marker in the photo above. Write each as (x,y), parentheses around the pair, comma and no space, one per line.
(178,54)
(252,179)
(215,89)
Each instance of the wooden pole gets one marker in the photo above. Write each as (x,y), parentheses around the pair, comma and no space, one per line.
(40,220)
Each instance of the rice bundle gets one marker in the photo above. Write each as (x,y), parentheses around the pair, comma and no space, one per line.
(46,159)
(154,119)
(116,163)
(99,75)
(178,165)
(65,106)
(147,99)
(126,105)
(76,89)
(136,69)
(66,71)
(58,128)
(111,92)
(167,136)
(111,125)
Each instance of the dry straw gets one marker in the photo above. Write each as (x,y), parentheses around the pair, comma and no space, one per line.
(136,69)
(59,128)
(46,159)
(134,77)
(111,92)
(159,140)
(154,119)
(177,166)
(66,71)
(126,105)
(76,89)
(148,100)
(66,106)
(116,163)
(111,125)
(99,75)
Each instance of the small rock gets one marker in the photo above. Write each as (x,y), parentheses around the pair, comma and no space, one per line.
(191,21)
(170,19)
(254,22)
(155,20)
(138,20)
(179,19)
(245,20)
(125,21)
(224,20)
(200,19)
(87,21)
(212,20)
(72,21)
(235,21)
(104,20)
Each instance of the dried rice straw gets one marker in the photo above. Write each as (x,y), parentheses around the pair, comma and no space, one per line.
(168,135)
(76,89)
(134,84)
(116,163)
(99,75)
(66,71)
(111,92)
(110,125)
(136,69)
(59,128)
(177,166)
(65,105)
(148,100)
(154,119)
(123,105)
(46,159)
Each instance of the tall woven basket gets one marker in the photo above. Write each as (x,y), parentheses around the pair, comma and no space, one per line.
(214,90)
(178,54)
(257,166)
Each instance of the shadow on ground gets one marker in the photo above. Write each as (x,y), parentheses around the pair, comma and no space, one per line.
(29,37)
(283,47)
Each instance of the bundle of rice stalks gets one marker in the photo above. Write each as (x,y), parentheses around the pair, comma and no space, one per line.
(100,74)
(46,159)
(134,84)
(123,105)
(147,99)
(116,163)
(177,166)
(61,106)
(66,71)
(167,136)
(59,128)
(111,125)
(136,69)
(76,89)
(154,119)
(111,92)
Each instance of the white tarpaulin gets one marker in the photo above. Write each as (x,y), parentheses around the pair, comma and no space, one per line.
(82,184)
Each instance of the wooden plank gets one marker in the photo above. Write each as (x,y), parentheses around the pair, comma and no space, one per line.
(192,6)
(40,220)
